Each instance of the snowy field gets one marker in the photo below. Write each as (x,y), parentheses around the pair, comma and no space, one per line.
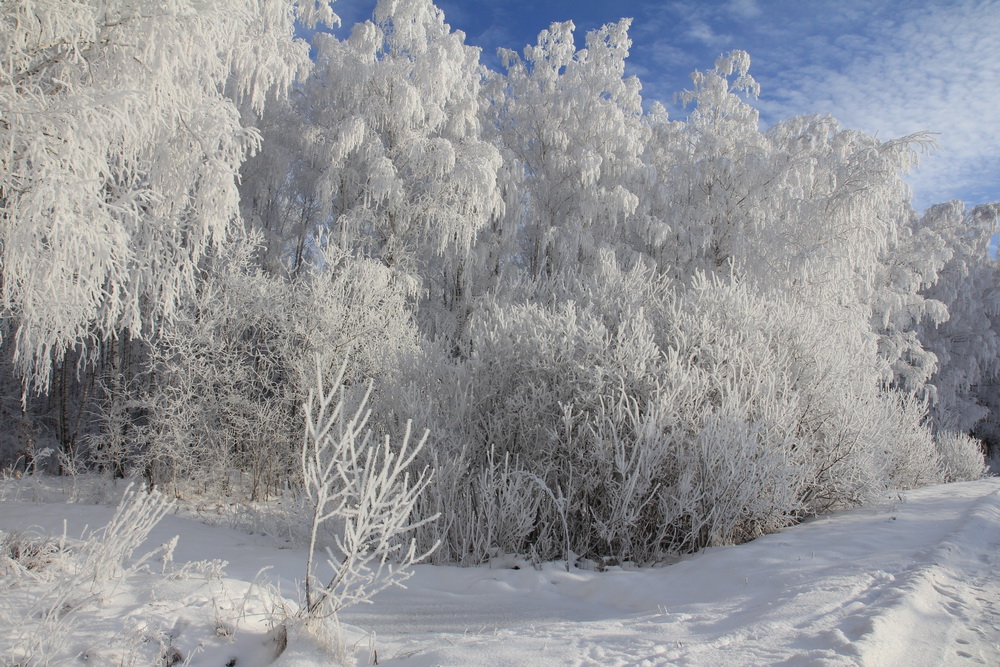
(912,582)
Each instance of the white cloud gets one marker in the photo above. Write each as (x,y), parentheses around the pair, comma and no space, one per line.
(747,9)
(901,70)
(703,32)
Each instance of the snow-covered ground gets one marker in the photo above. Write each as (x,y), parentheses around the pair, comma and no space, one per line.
(912,582)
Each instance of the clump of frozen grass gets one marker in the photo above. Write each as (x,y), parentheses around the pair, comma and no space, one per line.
(24,553)
(106,552)
(69,576)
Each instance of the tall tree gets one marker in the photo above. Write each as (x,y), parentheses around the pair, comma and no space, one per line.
(391,163)
(967,344)
(716,166)
(573,123)
(121,144)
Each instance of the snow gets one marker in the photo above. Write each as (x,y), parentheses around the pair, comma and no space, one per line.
(909,582)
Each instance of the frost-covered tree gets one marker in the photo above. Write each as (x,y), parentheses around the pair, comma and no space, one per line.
(121,144)
(839,231)
(278,198)
(838,202)
(901,308)
(573,125)
(710,173)
(390,160)
(967,344)
(805,207)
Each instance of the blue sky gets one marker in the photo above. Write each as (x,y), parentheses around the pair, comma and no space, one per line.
(889,67)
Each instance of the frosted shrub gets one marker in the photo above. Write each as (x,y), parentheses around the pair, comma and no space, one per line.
(905,441)
(218,403)
(813,376)
(653,419)
(739,467)
(583,397)
(516,410)
(23,553)
(543,374)
(734,481)
(364,489)
(230,375)
(631,446)
(961,456)
(509,502)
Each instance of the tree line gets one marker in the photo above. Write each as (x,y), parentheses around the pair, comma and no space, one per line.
(628,335)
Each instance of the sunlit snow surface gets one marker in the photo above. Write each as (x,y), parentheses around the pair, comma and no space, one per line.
(912,582)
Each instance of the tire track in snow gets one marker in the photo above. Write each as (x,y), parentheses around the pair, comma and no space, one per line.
(954,586)
(905,583)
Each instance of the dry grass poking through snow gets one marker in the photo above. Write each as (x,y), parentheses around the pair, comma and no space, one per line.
(92,599)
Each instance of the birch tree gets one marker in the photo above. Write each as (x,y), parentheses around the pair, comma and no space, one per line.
(966,343)
(392,163)
(120,143)
(573,123)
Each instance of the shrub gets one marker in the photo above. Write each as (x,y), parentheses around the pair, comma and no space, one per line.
(645,419)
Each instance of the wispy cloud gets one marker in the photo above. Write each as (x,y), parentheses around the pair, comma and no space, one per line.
(901,69)
(890,67)
(893,68)
(747,9)
(703,32)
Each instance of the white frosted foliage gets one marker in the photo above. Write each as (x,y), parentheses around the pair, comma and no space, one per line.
(572,122)
(401,171)
(120,144)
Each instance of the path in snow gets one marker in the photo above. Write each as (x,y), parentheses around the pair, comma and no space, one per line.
(909,583)
(913,583)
